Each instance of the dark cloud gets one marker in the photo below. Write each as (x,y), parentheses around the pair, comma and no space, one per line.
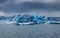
(27,6)
(30,6)
(2,1)
(18,6)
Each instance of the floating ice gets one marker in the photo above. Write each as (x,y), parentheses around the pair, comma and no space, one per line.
(30,20)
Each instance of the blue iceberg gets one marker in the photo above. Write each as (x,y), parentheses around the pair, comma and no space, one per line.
(29,19)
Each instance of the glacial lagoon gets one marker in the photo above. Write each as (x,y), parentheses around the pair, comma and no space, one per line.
(30,31)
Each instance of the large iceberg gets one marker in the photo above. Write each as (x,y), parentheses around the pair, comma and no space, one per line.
(32,19)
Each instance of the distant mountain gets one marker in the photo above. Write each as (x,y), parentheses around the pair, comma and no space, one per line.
(6,18)
(2,18)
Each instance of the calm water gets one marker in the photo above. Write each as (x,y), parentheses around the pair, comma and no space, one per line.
(30,31)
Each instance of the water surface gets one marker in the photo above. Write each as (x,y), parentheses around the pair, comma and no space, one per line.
(30,31)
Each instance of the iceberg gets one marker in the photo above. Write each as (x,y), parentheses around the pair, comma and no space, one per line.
(29,20)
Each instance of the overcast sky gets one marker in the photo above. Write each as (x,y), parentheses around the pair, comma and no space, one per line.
(19,1)
(27,6)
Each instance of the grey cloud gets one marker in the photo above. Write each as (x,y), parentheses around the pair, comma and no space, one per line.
(14,2)
(11,6)
(29,6)
(2,1)
(19,1)
(44,1)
